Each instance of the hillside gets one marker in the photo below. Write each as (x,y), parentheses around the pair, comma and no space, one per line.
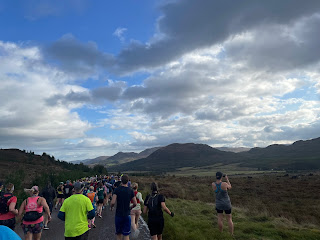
(176,156)
(118,158)
(28,167)
(301,155)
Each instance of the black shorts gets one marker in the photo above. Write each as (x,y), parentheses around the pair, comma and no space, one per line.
(84,236)
(60,196)
(10,223)
(100,201)
(155,226)
(225,211)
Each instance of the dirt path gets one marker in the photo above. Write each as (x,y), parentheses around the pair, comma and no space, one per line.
(105,228)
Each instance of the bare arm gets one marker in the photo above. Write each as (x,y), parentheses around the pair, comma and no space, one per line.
(228,183)
(113,201)
(145,209)
(21,210)
(164,207)
(12,208)
(214,187)
(134,200)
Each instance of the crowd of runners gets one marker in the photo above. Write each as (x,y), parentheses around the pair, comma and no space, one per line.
(81,201)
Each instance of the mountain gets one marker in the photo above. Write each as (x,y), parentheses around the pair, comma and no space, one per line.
(96,160)
(118,158)
(298,156)
(176,156)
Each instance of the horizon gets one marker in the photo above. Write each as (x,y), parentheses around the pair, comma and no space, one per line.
(82,79)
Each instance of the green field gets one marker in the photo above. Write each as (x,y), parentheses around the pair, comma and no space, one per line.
(230,169)
(195,220)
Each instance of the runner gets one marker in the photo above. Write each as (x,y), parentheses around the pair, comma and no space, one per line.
(67,190)
(92,196)
(122,196)
(223,202)
(8,209)
(75,211)
(60,196)
(33,206)
(136,211)
(49,194)
(154,204)
(100,198)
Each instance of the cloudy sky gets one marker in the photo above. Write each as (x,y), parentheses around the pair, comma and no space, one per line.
(81,79)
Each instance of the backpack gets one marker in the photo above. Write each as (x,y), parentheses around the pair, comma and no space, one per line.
(4,208)
(153,205)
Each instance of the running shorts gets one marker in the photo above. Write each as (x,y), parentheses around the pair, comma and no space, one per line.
(155,226)
(32,228)
(123,225)
(226,211)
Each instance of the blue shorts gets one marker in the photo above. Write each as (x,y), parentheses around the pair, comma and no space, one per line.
(123,225)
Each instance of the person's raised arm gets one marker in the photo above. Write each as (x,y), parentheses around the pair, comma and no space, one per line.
(164,207)
(228,183)
(214,187)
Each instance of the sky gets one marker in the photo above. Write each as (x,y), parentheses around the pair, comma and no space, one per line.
(81,79)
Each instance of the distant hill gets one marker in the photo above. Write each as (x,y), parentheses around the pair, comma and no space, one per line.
(118,158)
(96,160)
(298,156)
(235,150)
(176,156)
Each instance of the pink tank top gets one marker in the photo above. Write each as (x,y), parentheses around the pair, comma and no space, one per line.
(33,206)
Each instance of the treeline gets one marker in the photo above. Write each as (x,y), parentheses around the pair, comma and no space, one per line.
(57,171)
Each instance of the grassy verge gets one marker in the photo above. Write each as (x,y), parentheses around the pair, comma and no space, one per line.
(195,220)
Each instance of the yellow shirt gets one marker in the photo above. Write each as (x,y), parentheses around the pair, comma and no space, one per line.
(76,208)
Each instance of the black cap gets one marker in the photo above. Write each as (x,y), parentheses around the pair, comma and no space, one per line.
(219,175)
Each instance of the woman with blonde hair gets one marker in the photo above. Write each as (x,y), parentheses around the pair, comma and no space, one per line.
(8,209)
(136,211)
(32,208)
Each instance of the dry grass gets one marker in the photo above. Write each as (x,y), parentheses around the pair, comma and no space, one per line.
(295,200)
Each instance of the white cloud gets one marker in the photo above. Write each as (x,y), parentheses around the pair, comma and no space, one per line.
(119,32)
(26,84)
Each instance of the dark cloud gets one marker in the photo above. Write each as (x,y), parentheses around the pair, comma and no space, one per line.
(184,26)
(279,47)
(96,96)
(77,57)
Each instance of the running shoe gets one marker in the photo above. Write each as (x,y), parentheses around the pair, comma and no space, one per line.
(93,225)
(46,227)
